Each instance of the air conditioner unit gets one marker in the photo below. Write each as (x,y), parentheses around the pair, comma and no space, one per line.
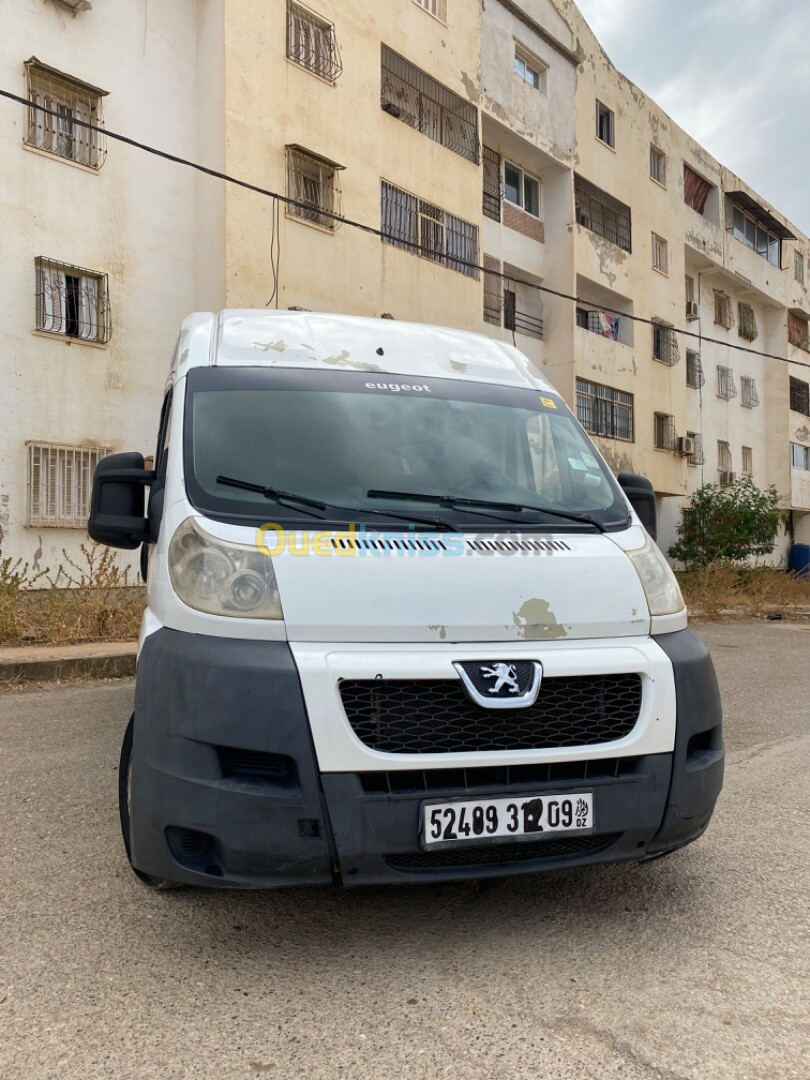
(692,310)
(727,477)
(685,445)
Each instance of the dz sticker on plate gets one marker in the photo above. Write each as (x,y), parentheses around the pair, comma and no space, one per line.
(524,816)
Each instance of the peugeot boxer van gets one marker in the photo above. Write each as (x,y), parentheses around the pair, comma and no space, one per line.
(403,623)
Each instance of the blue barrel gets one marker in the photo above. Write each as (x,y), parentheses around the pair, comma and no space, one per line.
(799,561)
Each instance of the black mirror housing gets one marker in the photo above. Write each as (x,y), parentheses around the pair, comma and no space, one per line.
(117,504)
(639,491)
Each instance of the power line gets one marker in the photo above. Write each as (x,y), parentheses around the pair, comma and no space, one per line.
(374,231)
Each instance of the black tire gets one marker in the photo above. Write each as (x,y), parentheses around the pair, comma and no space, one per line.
(124,774)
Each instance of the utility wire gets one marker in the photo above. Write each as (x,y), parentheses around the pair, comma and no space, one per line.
(373,231)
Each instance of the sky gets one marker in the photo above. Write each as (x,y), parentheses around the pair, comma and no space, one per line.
(735,74)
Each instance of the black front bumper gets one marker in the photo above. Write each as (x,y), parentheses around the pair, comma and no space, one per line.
(226,791)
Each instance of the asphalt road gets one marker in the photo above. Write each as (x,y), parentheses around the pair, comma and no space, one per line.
(695,966)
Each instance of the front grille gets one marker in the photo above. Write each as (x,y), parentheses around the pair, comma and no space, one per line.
(501,854)
(498,777)
(436,716)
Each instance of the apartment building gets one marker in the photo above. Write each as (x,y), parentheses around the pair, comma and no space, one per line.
(96,250)
(494,136)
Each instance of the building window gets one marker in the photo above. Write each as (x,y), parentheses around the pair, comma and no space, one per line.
(604,323)
(414,225)
(664,432)
(72,302)
(725,383)
(798,267)
(311,42)
(601,213)
(502,304)
(604,411)
(664,342)
(723,310)
(410,95)
(798,331)
(697,456)
(799,456)
(747,461)
(436,8)
(692,307)
(72,101)
(493,192)
(605,124)
(531,71)
(493,291)
(724,462)
(520,189)
(748,392)
(313,182)
(694,370)
(660,256)
(755,236)
(747,322)
(800,396)
(658,165)
(695,190)
(60,479)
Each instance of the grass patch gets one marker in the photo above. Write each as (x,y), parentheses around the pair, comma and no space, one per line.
(88,599)
(747,591)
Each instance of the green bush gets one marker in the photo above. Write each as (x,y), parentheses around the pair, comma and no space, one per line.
(732,523)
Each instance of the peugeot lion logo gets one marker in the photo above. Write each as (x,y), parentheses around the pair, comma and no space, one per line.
(501,684)
(505,675)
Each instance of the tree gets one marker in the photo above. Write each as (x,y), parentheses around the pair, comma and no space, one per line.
(732,522)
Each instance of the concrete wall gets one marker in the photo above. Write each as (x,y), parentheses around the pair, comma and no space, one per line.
(133,220)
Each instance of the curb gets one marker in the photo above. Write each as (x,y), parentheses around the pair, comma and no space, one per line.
(56,668)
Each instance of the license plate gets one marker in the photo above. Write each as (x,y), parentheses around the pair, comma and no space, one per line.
(519,817)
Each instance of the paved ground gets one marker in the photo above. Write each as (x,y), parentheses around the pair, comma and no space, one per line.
(692,967)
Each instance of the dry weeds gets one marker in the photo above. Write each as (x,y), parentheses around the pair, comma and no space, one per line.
(745,591)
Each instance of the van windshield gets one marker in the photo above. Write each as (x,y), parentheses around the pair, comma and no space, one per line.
(359,445)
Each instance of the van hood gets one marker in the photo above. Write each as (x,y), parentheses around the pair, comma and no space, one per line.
(389,587)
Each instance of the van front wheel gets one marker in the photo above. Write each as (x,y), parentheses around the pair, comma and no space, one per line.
(124,783)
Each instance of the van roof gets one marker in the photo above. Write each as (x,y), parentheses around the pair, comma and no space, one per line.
(259,338)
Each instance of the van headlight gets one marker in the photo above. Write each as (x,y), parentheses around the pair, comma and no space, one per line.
(660,585)
(220,578)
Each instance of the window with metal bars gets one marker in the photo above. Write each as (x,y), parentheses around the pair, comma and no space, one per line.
(665,436)
(604,411)
(798,330)
(697,456)
(417,99)
(414,225)
(493,291)
(601,213)
(493,188)
(313,181)
(723,310)
(664,342)
(75,103)
(311,42)
(725,382)
(747,461)
(71,301)
(694,370)
(748,392)
(60,479)
(799,396)
(747,322)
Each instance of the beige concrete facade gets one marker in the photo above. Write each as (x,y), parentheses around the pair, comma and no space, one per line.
(472,128)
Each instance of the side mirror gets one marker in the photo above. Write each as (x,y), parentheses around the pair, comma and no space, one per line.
(117,504)
(639,491)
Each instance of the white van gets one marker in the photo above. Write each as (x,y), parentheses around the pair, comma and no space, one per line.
(403,624)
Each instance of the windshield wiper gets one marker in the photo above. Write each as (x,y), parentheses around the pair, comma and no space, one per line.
(451,501)
(270,492)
